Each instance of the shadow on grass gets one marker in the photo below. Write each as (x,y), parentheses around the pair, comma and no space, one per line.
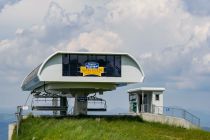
(103,117)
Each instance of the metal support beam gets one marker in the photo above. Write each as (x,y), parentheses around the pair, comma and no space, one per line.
(55,104)
(138,106)
(142,101)
(80,104)
(63,103)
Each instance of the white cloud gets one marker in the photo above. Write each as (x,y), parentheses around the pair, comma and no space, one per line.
(27,13)
(142,10)
(165,37)
(151,26)
(31,46)
(206,59)
(147,24)
(4,3)
(23,14)
(96,41)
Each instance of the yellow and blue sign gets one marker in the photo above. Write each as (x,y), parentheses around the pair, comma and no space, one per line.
(91,68)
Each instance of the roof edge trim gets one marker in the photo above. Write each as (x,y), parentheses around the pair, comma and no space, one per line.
(45,61)
(140,67)
(146,89)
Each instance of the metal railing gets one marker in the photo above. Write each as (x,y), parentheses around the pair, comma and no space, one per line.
(19,115)
(19,118)
(171,111)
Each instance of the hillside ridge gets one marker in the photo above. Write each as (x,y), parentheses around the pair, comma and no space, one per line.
(105,128)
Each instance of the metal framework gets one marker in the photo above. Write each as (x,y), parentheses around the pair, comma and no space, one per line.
(47,97)
(95,100)
(39,97)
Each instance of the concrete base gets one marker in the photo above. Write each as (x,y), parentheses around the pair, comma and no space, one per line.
(167,120)
(80,106)
(11,129)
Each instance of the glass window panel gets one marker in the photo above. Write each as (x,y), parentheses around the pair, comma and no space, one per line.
(82,59)
(117,65)
(101,59)
(73,65)
(110,66)
(92,58)
(65,69)
(65,59)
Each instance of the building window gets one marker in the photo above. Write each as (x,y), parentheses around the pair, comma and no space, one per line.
(73,62)
(73,65)
(132,97)
(157,97)
(66,69)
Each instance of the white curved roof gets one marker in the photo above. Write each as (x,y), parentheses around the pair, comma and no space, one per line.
(146,89)
(50,71)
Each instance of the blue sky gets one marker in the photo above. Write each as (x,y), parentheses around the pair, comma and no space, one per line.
(169,38)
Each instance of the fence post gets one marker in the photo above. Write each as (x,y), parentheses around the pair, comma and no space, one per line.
(193,120)
(184,114)
(19,117)
(171,112)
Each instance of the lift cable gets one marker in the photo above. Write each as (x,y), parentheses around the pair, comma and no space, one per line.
(27,99)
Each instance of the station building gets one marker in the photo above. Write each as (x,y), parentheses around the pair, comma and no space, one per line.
(80,75)
(146,100)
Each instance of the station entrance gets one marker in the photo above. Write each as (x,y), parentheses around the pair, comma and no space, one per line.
(143,99)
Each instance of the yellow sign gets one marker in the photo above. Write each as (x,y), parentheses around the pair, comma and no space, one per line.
(91,68)
(91,71)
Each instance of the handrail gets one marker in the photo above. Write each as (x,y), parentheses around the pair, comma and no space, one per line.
(172,111)
(19,116)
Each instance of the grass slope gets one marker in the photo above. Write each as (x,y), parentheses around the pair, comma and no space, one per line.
(105,128)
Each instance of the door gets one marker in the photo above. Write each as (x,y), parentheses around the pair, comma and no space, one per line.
(133,103)
(143,103)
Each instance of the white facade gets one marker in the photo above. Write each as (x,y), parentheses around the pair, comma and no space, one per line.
(49,73)
(67,74)
(146,99)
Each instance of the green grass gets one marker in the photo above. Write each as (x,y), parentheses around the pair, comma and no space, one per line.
(114,128)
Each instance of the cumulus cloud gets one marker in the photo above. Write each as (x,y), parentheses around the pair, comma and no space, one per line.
(60,30)
(4,3)
(96,41)
(184,66)
(178,69)
(61,25)
(151,26)
(168,38)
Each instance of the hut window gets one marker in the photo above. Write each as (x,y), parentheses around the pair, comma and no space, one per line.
(157,97)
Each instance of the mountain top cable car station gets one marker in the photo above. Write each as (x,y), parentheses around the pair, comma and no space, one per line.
(81,76)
